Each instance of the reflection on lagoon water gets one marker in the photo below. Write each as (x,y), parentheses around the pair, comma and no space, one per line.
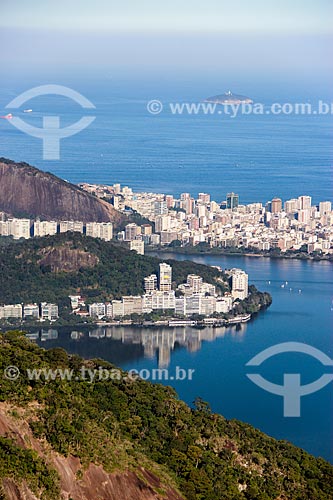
(153,343)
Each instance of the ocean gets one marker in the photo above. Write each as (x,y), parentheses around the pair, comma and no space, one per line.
(257,156)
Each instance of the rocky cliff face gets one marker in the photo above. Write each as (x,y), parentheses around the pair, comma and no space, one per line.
(76,483)
(27,191)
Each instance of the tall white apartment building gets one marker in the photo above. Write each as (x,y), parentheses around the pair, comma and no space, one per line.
(31,311)
(239,286)
(138,246)
(19,228)
(291,206)
(71,225)
(49,311)
(132,231)
(165,277)
(132,304)
(164,299)
(325,207)
(304,216)
(162,223)
(304,202)
(188,305)
(97,310)
(45,228)
(102,230)
(195,282)
(150,283)
(11,311)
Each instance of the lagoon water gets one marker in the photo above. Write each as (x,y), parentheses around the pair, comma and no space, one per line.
(301,312)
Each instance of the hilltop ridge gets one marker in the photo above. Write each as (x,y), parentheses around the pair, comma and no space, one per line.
(30,192)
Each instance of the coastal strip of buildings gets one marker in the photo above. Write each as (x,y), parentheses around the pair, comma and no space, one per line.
(195,297)
(36,312)
(27,228)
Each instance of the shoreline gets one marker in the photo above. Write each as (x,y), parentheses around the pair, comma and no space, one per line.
(170,323)
(188,251)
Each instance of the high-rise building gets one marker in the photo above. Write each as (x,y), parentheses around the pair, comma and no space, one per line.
(131,231)
(19,228)
(49,311)
(304,216)
(165,277)
(232,200)
(276,205)
(325,207)
(138,246)
(146,229)
(169,200)
(97,310)
(195,282)
(45,228)
(150,283)
(102,230)
(187,205)
(11,311)
(31,311)
(160,207)
(204,197)
(70,225)
(239,284)
(304,202)
(162,223)
(291,206)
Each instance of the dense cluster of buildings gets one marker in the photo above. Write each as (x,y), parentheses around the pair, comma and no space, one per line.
(195,297)
(293,225)
(35,312)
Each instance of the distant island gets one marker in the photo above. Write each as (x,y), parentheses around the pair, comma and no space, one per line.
(229,98)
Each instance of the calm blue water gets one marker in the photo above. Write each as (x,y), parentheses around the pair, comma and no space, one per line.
(258,157)
(220,371)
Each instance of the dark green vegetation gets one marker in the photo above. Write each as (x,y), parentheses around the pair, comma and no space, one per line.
(254,302)
(51,268)
(125,423)
(20,464)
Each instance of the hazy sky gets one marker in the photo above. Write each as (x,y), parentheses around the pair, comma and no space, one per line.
(293,16)
(236,38)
